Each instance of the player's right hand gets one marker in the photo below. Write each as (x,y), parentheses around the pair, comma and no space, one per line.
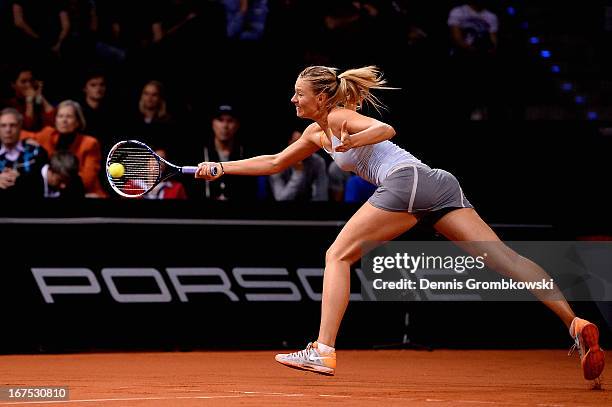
(205,171)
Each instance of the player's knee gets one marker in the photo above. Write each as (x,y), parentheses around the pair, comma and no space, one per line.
(338,254)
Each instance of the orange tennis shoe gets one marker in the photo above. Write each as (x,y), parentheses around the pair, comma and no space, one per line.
(310,359)
(586,337)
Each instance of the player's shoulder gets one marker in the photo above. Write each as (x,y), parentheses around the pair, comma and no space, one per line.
(337,116)
(312,128)
(312,132)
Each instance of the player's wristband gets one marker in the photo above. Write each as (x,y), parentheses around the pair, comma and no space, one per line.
(222,170)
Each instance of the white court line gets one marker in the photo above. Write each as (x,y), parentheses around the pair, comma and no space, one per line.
(264,393)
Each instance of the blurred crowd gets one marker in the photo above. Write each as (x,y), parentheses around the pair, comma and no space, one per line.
(194,79)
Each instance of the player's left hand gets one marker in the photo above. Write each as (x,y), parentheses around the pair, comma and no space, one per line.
(205,171)
(346,142)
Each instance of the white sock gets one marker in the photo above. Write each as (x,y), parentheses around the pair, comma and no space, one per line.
(323,348)
(572,326)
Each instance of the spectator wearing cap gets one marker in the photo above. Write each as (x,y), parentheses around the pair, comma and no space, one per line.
(224,145)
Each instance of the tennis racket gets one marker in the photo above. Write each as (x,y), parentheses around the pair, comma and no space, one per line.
(142,168)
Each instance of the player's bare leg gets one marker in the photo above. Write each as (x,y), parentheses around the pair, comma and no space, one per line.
(465,225)
(368,224)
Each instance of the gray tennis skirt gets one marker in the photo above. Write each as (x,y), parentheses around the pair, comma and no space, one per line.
(419,189)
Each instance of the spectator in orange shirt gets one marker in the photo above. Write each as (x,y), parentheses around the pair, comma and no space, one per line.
(66,136)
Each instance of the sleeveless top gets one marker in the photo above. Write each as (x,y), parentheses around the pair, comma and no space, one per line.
(373,162)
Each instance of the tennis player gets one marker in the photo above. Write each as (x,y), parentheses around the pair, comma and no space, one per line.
(407,191)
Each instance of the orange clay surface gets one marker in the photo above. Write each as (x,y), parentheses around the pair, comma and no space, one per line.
(543,378)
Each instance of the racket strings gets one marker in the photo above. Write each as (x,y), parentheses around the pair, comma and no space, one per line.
(141,169)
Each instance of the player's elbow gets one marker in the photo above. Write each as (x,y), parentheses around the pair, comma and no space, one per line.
(276,164)
(389,131)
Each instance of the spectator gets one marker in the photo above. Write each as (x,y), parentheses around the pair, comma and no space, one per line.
(20,160)
(225,146)
(358,190)
(132,27)
(29,100)
(337,181)
(152,104)
(44,25)
(97,111)
(61,177)
(304,181)
(246,19)
(473,32)
(187,17)
(346,19)
(345,186)
(168,189)
(69,123)
(83,18)
(473,28)
(153,125)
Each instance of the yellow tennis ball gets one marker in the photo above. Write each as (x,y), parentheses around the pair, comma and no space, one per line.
(116,170)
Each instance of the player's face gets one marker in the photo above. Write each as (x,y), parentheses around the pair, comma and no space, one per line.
(304,99)
(9,129)
(66,120)
(95,88)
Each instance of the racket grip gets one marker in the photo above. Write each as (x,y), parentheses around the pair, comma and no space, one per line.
(192,170)
(189,170)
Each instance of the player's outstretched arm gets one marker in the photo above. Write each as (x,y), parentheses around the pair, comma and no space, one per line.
(304,147)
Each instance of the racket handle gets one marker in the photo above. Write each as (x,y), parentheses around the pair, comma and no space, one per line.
(189,170)
(192,170)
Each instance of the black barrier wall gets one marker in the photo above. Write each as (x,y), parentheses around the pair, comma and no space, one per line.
(167,282)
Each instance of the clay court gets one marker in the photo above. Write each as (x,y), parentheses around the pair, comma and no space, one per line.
(384,378)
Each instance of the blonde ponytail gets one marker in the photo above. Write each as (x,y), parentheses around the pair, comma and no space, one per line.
(348,89)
